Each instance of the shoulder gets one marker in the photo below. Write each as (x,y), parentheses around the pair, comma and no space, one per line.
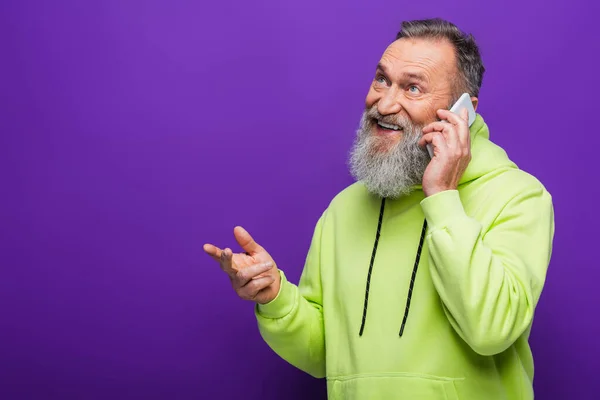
(507,194)
(349,194)
(354,200)
(355,197)
(515,182)
(501,175)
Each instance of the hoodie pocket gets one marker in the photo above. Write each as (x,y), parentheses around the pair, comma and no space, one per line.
(392,386)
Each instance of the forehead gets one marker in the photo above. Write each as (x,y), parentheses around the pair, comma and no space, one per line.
(433,58)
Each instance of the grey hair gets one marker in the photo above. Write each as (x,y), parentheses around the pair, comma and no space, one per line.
(469,62)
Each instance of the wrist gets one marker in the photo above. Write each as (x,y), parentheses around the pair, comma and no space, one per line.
(442,208)
(437,189)
(283,302)
(274,288)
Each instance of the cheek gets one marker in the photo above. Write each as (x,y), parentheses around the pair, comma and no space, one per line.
(421,113)
(372,97)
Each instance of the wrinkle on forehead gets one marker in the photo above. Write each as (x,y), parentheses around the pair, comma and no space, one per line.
(433,58)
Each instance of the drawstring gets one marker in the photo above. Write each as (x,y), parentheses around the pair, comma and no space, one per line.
(412,279)
(364,317)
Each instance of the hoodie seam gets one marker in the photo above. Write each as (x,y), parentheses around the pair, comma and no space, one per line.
(393,375)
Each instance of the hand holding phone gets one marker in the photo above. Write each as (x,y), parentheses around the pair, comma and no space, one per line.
(451,141)
(463,102)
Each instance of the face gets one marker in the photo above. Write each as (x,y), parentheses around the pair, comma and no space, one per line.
(413,79)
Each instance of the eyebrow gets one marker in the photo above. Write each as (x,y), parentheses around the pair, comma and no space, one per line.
(406,75)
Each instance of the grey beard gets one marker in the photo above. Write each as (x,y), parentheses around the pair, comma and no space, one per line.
(392,172)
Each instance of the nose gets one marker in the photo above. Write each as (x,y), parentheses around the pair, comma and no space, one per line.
(389,104)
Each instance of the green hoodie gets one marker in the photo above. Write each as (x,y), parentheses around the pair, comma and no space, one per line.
(381,320)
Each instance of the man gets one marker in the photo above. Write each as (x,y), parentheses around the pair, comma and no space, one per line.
(422,278)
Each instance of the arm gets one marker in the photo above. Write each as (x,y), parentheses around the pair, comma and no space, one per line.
(490,282)
(292,323)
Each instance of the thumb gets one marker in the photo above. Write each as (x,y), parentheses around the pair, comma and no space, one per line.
(464,114)
(246,241)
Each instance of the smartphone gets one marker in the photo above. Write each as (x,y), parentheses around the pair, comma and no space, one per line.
(463,102)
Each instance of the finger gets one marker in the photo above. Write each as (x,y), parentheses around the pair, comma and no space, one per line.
(453,118)
(439,142)
(465,134)
(431,137)
(245,275)
(464,114)
(426,139)
(212,251)
(246,241)
(459,138)
(226,262)
(436,126)
(250,291)
(452,137)
(437,139)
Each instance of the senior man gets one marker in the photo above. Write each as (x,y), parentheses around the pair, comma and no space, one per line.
(422,277)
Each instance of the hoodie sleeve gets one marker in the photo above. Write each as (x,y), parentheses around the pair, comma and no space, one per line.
(292,323)
(490,282)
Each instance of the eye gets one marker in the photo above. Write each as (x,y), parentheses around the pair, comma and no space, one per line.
(413,89)
(381,79)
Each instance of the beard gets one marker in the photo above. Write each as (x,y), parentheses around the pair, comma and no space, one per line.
(388,167)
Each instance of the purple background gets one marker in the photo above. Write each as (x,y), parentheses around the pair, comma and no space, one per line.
(132,132)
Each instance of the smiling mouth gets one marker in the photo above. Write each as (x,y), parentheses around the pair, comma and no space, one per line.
(388,127)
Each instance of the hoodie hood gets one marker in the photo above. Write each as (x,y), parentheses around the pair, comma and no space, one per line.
(486,156)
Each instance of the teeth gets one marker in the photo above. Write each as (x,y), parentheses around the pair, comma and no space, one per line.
(388,126)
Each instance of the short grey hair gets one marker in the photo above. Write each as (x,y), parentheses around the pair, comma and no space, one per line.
(469,63)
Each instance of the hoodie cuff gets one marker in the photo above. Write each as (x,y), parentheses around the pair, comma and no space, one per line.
(282,304)
(441,208)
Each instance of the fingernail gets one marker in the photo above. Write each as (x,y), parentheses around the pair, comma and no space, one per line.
(268,264)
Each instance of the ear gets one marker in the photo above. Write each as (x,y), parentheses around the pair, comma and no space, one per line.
(475,102)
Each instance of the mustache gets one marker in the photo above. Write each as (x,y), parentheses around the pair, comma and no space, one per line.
(400,120)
